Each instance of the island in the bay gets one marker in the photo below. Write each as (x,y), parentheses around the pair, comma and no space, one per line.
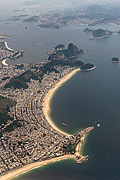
(115,59)
(98,33)
(60,53)
(28,137)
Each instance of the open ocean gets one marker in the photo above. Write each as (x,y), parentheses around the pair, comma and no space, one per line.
(86,99)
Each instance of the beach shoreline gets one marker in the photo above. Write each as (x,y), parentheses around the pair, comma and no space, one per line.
(48,97)
(6,45)
(46,111)
(4,62)
(29,167)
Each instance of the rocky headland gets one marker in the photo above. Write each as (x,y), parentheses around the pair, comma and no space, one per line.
(61,53)
(28,137)
(115,59)
(87,67)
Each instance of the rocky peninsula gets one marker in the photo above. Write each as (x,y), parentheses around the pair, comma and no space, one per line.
(30,139)
(61,53)
(115,59)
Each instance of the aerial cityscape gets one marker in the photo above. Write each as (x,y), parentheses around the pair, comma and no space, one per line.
(33,138)
(59,90)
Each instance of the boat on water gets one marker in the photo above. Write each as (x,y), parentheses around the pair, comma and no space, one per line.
(64,124)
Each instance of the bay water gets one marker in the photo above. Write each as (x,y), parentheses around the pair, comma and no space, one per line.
(86,99)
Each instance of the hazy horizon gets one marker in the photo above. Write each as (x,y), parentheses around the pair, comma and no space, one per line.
(29,7)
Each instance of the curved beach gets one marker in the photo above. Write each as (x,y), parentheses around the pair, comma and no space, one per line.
(46,111)
(32,166)
(48,97)
(4,62)
(6,45)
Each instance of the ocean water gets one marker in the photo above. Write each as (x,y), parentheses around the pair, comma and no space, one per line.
(86,99)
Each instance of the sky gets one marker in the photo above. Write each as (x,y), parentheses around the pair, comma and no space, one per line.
(33,2)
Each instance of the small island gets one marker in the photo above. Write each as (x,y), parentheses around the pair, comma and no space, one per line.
(50,25)
(98,33)
(115,59)
(61,53)
(87,67)
(4,36)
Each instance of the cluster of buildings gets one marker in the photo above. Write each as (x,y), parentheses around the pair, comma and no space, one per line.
(35,140)
(60,21)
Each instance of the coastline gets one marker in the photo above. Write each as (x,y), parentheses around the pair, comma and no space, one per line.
(4,62)
(6,45)
(46,111)
(83,143)
(85,70)
(102,37)
(32,166)
(48,97)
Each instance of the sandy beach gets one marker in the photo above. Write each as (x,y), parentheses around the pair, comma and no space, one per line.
(4,62)
(6,45)
(48,97)
(35,165)
(46,111)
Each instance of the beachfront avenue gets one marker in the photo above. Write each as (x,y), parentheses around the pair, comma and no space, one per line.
(36,140)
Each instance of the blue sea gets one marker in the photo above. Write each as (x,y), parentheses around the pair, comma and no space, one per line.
(85,100)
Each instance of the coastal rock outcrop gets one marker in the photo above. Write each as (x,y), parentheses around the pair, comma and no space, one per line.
(87,30)
(56,56)
(87,67)
(73,48)
(115,59)
(60,53)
